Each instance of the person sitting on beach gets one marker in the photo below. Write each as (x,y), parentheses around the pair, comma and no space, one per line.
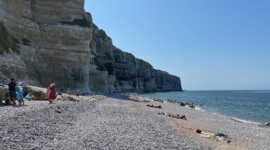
(173,115)
(179,117)
(159,106)
(12,91)
(51,92)
(19,94)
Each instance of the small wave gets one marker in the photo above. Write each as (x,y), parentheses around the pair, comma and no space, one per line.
(237,119)
(199,108)
(244,121)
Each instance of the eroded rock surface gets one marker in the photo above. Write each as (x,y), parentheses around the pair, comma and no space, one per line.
(44,41)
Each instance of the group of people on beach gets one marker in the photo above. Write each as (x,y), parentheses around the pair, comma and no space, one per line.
(17,92)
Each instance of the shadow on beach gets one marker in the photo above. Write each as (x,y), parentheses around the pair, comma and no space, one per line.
(122,96)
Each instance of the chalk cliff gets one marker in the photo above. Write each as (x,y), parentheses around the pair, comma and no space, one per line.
(43,41)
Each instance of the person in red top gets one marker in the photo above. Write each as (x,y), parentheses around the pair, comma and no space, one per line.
(51,92)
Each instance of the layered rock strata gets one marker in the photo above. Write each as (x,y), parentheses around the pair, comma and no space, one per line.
(44,41)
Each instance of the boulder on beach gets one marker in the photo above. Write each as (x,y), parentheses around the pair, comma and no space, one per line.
(37,93)
(3,92)
(182,104)
(66,97)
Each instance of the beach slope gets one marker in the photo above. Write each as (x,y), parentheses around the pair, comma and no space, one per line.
(119,122)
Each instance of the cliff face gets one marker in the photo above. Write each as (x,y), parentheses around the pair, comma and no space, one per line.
(121,71)
(53,46)
(45,41)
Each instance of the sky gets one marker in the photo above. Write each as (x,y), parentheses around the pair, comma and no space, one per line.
(209,44)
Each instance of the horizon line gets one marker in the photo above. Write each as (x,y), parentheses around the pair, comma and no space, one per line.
(227,90)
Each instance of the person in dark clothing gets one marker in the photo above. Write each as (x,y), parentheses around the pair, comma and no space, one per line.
(12,91)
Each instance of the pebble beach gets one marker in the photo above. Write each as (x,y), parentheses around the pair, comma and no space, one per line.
(121,122)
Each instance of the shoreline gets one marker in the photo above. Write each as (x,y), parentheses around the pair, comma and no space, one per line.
(244,134)
(202,109)
(214,110)
(123,121)
(198,108)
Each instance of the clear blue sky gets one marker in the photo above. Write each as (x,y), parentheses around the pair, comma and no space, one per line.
(210,44)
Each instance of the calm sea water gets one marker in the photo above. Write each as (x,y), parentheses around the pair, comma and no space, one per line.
(250,106)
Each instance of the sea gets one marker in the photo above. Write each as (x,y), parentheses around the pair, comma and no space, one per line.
(244,106)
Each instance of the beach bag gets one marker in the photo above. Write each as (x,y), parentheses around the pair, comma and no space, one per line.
(28,98)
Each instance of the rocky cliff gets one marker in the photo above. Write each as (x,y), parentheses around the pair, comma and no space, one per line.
(43,41)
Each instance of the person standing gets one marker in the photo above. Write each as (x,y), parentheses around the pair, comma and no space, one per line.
(12,91)
(51,91)
(19,93)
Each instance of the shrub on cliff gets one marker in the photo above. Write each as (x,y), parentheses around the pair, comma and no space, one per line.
(80,22)
(7,42)
(99,65)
